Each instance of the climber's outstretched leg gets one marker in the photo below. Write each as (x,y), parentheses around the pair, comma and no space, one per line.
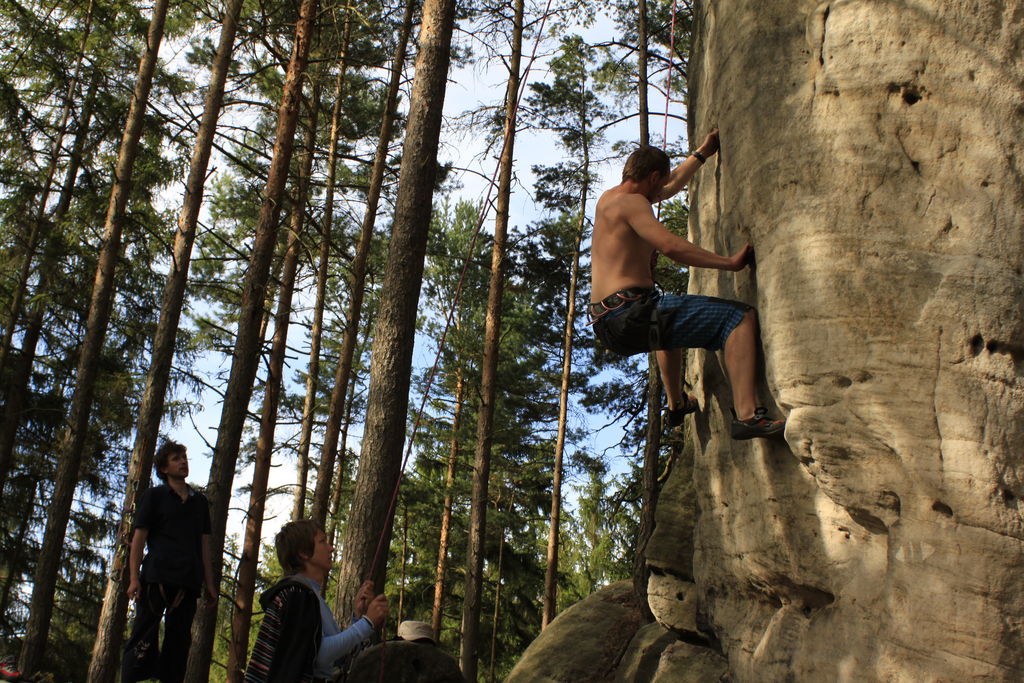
(749,421)
(670,363)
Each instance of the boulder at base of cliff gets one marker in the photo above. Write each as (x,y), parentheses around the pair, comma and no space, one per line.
(585,642)
(685,663)
(405,662)
(603,638)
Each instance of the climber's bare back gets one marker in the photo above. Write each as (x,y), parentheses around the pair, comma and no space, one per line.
(620,257)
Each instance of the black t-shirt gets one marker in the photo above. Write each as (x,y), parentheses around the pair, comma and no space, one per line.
(174,544)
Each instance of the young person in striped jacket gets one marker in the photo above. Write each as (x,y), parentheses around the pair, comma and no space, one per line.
(299,641)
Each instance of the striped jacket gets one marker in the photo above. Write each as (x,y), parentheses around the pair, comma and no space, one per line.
(289,637)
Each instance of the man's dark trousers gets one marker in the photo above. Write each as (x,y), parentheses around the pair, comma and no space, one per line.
(143,657)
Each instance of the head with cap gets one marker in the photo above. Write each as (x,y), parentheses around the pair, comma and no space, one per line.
(416,631)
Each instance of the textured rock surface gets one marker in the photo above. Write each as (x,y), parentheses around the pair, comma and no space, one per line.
(585,642)
(643,655)
(685,663)
(873,153)
(602,639)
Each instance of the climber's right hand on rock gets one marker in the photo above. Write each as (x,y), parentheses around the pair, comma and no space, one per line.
(710,145)
(742,258)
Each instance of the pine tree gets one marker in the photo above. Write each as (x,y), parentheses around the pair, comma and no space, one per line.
(74,436)
(245,356)
(370,522)
(488,389)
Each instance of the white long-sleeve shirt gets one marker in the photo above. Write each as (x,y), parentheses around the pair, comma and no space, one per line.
(335,643)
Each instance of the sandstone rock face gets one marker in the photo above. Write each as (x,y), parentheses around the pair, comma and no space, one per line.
(685,663)
(603,639)
(585,642)
(873,153)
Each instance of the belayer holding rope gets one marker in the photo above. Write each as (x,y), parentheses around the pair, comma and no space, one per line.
(631,316)
(299,641)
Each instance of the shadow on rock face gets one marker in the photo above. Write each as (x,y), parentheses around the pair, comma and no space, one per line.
(405,662)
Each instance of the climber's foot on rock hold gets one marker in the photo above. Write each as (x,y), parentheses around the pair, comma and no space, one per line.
(674,417)
(759,426)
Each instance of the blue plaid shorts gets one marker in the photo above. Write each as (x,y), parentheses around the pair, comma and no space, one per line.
(688,321)
(701,322)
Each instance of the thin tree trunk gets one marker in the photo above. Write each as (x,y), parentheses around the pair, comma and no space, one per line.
(649,487)
(551,574)
(246,354)
(446,515)
(497,605)
(405,556)
(17,390)
(368,533)
(40,226)
(652,441)
(248,563)
(338,475)
(358,269)
(645,136)
(316,331)
(106,648)
(72,443)
(488,384)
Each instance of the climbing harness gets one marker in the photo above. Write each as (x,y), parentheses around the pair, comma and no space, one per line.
(615,301)
(643,327)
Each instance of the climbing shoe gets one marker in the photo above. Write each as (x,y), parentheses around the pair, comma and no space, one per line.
(756,427)
(674,418)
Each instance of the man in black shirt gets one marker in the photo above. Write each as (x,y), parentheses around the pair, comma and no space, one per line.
(173,523)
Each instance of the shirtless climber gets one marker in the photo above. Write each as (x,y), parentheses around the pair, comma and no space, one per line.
(631,316)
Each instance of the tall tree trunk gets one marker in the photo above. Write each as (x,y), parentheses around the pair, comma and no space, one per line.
(446,514)
(551,573)
(489,370)
(316,331)
(641,70)
(369,522)
(246,355)
(652,441)
(497,605)
(72,443)
(110,629)
(648,486)
(358,268)
(248,563)
(40,226)
(338,477)
(17,389)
